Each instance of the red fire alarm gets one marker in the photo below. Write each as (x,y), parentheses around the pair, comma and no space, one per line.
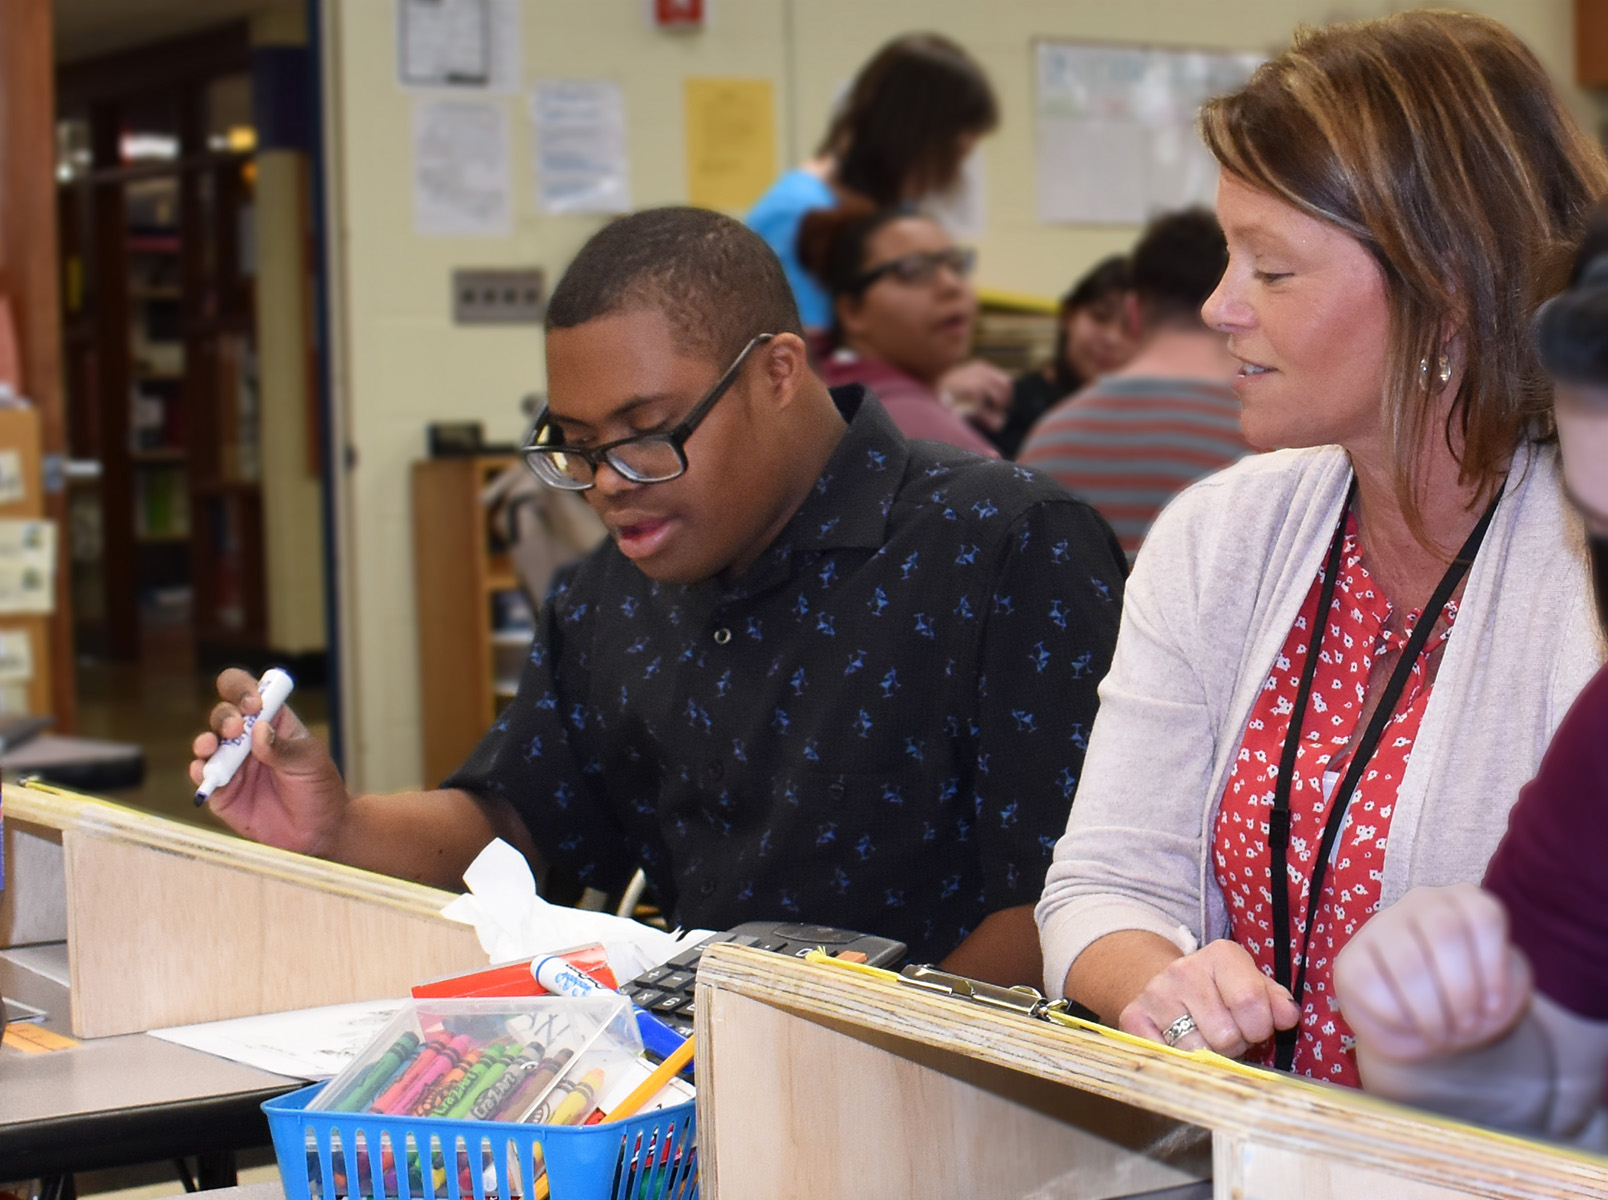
(678,14)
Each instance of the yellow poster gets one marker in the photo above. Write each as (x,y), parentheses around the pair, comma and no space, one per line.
(731,141)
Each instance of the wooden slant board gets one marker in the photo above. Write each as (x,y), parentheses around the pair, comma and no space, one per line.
(168,924)
(816,1081)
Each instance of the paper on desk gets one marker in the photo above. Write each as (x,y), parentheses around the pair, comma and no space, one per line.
(513,922)
(309,1043)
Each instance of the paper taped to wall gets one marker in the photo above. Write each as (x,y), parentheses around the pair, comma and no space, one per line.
(443,43)
(27,566)
(580,151)
(462,182)
(731,141)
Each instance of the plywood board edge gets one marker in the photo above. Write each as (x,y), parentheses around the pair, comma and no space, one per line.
(1267,1108)
(56,808)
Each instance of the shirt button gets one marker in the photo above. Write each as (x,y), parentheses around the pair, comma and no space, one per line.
(836,790)
(706,888)
(722,636)
(715,770)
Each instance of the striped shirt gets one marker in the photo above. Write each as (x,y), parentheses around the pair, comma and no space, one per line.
(1128,445)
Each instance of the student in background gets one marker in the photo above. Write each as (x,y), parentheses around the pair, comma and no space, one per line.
(903,131)
(1394,194)
(1132,440)
(817,673)
(1493,1004)
(904,312)
(1092,338)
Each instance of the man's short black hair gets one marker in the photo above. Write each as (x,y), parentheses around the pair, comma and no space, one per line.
(1177,264)
(715,280)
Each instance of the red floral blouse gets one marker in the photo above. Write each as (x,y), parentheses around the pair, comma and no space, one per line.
(1356,635)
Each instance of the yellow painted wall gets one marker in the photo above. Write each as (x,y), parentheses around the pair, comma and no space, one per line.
(400,362)
(292,494)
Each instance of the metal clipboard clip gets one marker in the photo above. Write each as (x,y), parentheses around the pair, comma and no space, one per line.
(1022,999)
(1028,1001)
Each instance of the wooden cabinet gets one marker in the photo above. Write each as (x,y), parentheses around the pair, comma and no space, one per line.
(474,622)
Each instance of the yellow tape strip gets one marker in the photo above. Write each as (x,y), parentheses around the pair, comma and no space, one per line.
(33,1039)
(1065,1019)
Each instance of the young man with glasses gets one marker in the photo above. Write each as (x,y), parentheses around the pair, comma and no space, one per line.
(818,673)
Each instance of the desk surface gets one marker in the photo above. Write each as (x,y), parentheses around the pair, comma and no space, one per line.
(118,1100)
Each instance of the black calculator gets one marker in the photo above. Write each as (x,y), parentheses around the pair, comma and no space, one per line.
(666,991)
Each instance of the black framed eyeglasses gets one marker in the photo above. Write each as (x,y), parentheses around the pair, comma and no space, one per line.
(921,267)
(642,458)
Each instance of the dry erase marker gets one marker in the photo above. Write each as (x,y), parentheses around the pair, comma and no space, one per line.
(275,687)
(562,978)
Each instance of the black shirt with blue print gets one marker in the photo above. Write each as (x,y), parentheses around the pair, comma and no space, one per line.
(879,726)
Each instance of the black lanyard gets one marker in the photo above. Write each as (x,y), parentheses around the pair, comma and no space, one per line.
(1279,817)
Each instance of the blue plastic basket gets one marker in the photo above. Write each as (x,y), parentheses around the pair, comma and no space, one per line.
(343,1156)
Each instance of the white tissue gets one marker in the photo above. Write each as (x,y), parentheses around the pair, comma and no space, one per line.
(513,922)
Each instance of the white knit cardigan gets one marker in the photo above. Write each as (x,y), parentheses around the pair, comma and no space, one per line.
(1214,593)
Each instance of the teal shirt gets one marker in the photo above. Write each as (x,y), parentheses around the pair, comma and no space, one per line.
(776,218)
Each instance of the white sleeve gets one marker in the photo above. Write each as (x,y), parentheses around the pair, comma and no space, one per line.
(1132,856)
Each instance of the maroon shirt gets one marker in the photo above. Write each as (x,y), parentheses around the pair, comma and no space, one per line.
(1551,870)
(915,408)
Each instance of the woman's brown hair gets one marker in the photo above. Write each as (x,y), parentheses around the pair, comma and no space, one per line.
(902,128)
(1436,140)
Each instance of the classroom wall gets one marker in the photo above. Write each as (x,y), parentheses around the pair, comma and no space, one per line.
(400,362)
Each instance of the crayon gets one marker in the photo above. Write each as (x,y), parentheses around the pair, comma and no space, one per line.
(447,1057)
(492,1098)
(542,1114)
(426,1103)
(580,1100)
(379,1074)
(448,1097)
(385,1102)
(531,1087)
(478,1085)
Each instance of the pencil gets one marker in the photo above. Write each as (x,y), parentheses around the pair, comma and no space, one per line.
(653,1084)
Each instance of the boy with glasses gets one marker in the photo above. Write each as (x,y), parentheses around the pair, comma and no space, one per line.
(818,673)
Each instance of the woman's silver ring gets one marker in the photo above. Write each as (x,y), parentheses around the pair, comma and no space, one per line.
(1178,1030)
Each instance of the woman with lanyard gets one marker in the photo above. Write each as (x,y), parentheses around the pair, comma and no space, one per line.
(1339,662)
(1491,1002)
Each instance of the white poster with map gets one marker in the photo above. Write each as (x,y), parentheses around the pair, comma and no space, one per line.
(1115,129)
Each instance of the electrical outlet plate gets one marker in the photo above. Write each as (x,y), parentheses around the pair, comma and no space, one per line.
(498,296)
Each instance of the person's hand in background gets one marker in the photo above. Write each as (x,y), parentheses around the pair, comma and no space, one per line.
(978,391)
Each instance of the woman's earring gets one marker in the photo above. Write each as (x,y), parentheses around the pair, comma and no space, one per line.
(1443,372)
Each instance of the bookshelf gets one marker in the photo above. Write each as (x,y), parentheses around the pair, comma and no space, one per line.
(474,623)
(160,329)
